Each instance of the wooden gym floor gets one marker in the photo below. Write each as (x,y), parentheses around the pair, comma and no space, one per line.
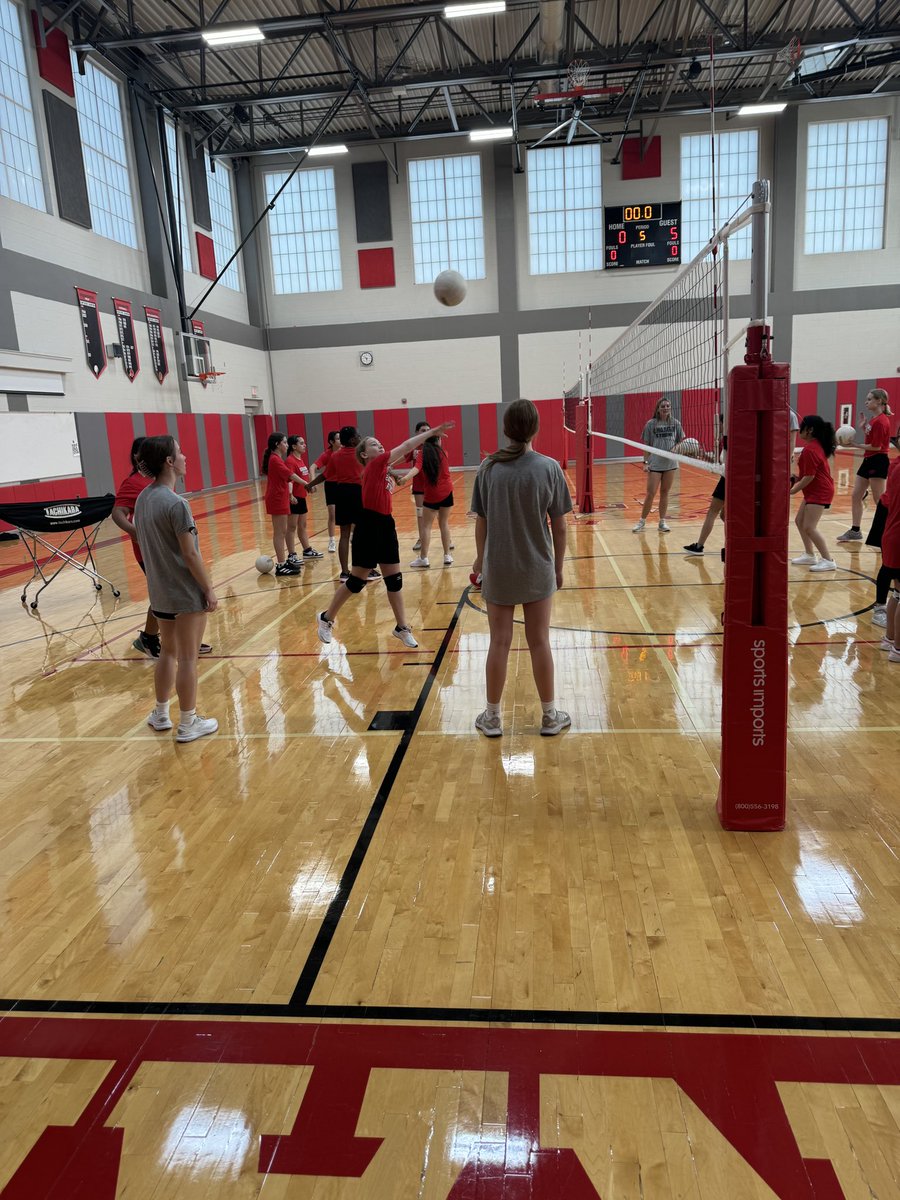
(348,948)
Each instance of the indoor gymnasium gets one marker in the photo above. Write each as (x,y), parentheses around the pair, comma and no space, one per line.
(449,587)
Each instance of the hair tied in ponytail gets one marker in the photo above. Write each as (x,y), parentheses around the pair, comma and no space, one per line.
(521,422)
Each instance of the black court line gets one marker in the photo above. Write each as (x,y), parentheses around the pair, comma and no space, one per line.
(324,937)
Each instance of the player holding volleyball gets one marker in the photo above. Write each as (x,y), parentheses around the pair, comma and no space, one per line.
(662,432)
(299,508)
(873,469)
(817,486)
(375,534)
(279,478)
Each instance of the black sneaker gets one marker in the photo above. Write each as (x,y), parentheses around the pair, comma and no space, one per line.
(694,548)
(311,552)
(294,558)
(288,568)
(147,643)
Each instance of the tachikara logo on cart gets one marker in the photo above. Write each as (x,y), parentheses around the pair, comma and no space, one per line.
(758,703)
(63,510)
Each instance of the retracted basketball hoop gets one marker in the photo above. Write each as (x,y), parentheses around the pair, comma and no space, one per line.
(578,94)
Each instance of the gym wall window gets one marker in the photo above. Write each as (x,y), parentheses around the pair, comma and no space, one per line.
(303,232)
(447,217)
(20,165)
(565,209)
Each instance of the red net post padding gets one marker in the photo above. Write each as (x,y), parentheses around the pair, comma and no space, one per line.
(753,772)
(584,478)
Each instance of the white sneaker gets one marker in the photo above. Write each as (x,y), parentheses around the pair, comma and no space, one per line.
(664,528)
(489,726)
(159,723)
(826,564)
(418,545)
(420,562)
(324,628)
(639,527)
(403,634)
(886,644)
(554,723)
(198,728)
(894,655)
(332,545)
(448,560)
(804,560)
(879,616)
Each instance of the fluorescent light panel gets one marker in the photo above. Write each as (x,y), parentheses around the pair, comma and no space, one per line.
(236,36)
(498,133)
(483,8)
(321,151)
(759,110)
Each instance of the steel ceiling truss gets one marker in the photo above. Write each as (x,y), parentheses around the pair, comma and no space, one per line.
(264,113)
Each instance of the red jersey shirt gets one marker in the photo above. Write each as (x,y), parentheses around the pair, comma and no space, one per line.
(878,435)
(345,466)
(278,484)
(441,489)
(378,485)
(813,462)
(890,538)
(418,481)
(323,463)
(299,467)
(128,491)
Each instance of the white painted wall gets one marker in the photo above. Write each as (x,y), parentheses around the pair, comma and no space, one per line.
(550,363)
(854,345)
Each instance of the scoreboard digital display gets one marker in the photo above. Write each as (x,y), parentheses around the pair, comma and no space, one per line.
(643,235)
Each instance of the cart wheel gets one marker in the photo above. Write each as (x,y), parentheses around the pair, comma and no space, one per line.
(34,605)
(22,597)
(116,593)
(98,587)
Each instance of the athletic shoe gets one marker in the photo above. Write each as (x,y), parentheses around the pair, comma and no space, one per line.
(293,557)
(161,724)
(452,545)
(448,560)
(894,655)
(288,568)
(205,648)
(826,564)
(324,628)
(420,562)
(198,728)
(147,643)
(694,549)
(804,560)
(311,552)
(373,574)
(664,528)
(332,545)
(344,576)
(489,726)
(551,725)
(403,634)
(851,535)
(639,527)
(885,644)
(879,616)
(418,545)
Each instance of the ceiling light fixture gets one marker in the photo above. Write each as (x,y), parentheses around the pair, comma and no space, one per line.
(321,151)
(759,110)
(236,35)
(482,8)
(494,133)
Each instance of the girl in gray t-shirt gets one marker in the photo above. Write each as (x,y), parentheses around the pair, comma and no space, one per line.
(520,558)
(662,432)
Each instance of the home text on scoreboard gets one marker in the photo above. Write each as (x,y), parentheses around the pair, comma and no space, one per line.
(643,235)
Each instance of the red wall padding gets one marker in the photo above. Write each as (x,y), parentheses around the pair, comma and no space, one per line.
(807,397)
(391,427)
(453,443)
(120,435)
(549,440)
(639,408)
(376,268)
(206,256)
(156,424)
(602,448)
(190,447)
(487,428)
(54,60)
(238,452)
(847,393)
(892,387)
(336,420)
(262,427)
(215,449)
(295,423)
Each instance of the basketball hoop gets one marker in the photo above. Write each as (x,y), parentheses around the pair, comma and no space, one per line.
(212,377)
(577,75)
(790,54)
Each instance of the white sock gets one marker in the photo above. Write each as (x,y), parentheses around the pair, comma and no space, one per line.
(548,709)
(187,716)
(162,708)
(492,710)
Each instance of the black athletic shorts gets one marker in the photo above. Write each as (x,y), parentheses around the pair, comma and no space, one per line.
(298,506)
(347,503)
(374,540)
(447,502)
(719,490)
(330,485)
(874,467)
(878,523)
(161,616)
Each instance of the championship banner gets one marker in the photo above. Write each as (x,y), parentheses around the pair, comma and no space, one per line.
(158,356)
(198,329)
(125,325)
(94,349)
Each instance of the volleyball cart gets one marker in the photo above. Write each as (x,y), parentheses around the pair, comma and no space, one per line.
(79,520)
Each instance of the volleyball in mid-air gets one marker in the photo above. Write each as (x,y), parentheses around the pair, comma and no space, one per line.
(846,435)
(690,448)
(450,288)
(265,564)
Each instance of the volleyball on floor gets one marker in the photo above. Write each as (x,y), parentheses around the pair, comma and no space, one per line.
(690,448)
(450,288)
(846,435)
(265,564)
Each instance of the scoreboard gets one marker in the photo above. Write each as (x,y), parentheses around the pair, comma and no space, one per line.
(643,235)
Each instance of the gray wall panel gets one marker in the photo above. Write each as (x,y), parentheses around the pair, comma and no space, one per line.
(249,448)
(415,416)
(196,162)
(94,446)
(470,435)
(17,401)
(68,165)
(372,201)
(145,142)
(140,425)
(226,443)
(200,426)
(314,437)
(250,255)
(826,400)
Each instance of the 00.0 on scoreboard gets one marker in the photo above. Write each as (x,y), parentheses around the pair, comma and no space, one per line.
(643,235)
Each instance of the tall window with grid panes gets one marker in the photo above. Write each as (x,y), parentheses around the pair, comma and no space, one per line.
(220,186)
(447,216)
(20,165)
(98,98)
(736,170)
(846,168)
(303,232)
(565,209)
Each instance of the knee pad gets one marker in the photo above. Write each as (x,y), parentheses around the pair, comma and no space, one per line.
(394,583)
(354,584)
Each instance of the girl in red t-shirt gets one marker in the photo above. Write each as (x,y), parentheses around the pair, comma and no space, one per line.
(817,486)
(890,556)
(279,478)
(873,469)
(297,519)
(375,534)
(323,468)
(147,641)
(437,499)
